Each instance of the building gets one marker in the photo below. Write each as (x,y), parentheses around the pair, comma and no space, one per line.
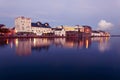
(4,31)
(40,29)
(95,34)
(23,24)
(100,34)
(70,31)
(87,31)
(73,34)
(59,32)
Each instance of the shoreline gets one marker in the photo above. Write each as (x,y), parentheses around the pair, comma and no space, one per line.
(1,37)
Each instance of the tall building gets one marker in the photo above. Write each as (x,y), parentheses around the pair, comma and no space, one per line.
(23,24)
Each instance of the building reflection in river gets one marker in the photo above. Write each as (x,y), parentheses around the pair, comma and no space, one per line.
(73,42)
(103,43)
(25,46)
(3,42)
(39,44)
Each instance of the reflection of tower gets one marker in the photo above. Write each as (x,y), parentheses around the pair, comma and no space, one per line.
(87,42)
(23,47)
(81,43)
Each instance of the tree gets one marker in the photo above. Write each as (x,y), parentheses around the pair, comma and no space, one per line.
(4,30)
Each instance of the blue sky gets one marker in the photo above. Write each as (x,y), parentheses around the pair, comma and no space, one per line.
(64,12)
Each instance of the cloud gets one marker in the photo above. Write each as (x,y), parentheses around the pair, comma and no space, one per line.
(104,25)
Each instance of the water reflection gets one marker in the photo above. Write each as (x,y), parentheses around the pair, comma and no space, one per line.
(103,43)
(40,44)
(3,42)
(24,46)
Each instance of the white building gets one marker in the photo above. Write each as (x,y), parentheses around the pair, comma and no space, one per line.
(59,32)
(40,30)
(23,24)
(72,28)
(95,34)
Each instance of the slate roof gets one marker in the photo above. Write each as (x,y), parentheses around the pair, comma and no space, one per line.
(39,24)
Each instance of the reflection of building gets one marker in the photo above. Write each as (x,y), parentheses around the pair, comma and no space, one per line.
(23,24)
(38,44)
(3,42)
(59,41)
(87,42)
(23,47)
(73,42)
(103,43)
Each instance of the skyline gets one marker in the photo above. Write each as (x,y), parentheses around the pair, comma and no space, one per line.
(98,14)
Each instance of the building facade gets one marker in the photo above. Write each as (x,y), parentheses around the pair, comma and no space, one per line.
(39,29)
(87,31)
(23,24)
(59,32)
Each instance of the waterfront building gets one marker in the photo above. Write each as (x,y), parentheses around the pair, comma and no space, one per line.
(59,32)
(95,34)
(4,31)
(87,31)
(39,29)
(79,28)
(71,34)
(71,31)
(23,24)
(100,34)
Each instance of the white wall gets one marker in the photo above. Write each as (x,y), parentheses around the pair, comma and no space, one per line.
(23,24)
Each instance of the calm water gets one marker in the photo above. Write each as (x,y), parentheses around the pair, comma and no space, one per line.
(60,59)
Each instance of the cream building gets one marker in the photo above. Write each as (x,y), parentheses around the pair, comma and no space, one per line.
(40,30)
(59,32)
(72,28)
(23,24)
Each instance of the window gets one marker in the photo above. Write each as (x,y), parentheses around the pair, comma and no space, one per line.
(22,28)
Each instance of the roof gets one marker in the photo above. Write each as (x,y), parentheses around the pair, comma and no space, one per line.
(38,24)
(95,32)
(87,26)
(57,29)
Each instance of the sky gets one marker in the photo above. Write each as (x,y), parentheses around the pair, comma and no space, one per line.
(99,14)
